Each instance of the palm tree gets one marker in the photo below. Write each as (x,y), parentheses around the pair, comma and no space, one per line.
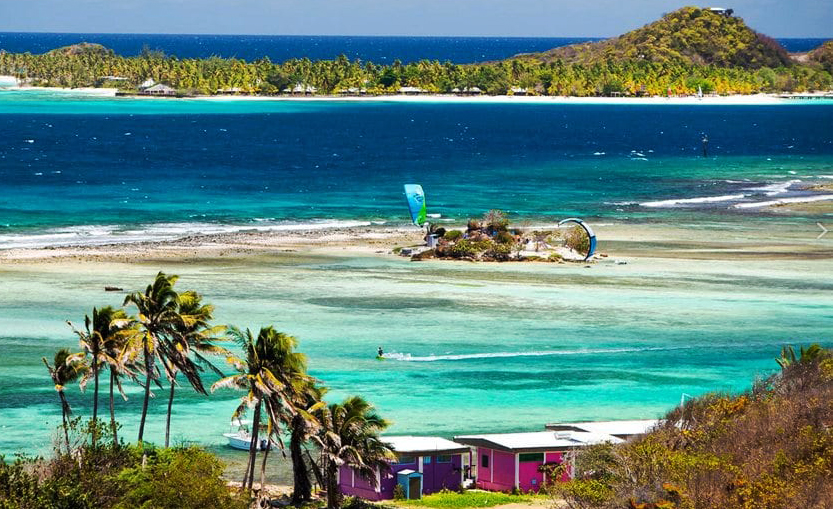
(349,435)
(303,425)
(270,374)
(191,335)
(101,334)
(67,368)
(157,311)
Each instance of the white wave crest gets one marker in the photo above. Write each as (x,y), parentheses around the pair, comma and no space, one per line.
(96,235)
(784,201)
(406,357)
(775,188)
(693,201)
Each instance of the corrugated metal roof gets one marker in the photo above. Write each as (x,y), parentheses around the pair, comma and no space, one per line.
(417,445)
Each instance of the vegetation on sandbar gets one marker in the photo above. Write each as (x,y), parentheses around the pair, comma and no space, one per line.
(491,239)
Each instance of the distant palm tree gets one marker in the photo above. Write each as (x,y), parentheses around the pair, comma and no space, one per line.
(812,353)
(185,348)
(349,435)
(101,334)
(67,368)
(157,312)
(268,373)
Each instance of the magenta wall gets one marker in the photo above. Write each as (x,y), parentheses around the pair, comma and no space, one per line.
(500,475)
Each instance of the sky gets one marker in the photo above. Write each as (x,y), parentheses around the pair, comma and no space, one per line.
(524,18)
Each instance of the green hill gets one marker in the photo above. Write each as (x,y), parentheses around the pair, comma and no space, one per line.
(823,55)
(689,35)
(82,48)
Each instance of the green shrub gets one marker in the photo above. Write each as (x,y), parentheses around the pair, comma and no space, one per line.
(504,238)
(180,478)
(453,235)
(495,221)
(398,492)
(577,240)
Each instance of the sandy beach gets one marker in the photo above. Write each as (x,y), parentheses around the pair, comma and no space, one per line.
(10,83)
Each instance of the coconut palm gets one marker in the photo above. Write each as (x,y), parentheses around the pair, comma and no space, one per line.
(269,374)
(67,368)
(157,311)
(303,426)
(187,345)
(106,329)
(349,435)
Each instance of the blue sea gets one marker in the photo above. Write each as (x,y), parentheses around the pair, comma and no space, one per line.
(279,48)
(474,347)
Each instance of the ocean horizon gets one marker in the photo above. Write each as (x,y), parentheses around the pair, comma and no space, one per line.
(278,48)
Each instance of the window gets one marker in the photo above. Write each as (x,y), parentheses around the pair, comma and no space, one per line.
(426,460)
(529,457)
(485,462)
(444,458)
(405,460)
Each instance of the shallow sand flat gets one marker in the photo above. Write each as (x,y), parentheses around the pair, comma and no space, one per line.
(697,242)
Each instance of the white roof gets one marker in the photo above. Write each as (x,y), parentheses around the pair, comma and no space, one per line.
(159,87)
(539,440)
(147,83)
(410,89)
(407,444)
(635,427)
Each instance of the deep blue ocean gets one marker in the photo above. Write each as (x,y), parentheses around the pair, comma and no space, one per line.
(96,167)
(283,47)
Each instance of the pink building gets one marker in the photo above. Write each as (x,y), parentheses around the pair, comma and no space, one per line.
(424,465)
(506,461)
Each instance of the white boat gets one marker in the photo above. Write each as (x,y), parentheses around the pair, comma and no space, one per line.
(239,436)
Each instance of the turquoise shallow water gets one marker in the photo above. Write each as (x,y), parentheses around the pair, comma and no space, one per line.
(478,347)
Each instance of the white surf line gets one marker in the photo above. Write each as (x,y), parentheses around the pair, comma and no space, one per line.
(405,357)
(783,201)
(823,231)
(686,201)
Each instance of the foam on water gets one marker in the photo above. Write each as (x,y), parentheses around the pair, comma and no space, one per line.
(406,357)
(693,201)
(96,235)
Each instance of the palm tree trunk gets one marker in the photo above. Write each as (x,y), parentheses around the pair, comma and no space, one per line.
(64,406)
(168,422)
(113,409)
(95,401)
(302,490)
(149,373)
(250,466)
(263,468)
(333,490)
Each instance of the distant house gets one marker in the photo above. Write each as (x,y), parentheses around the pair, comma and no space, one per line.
(411,90)
(518,91)
(472,91)
(158,89)
(624,430)
(230,90)
(721,11)
(147,84)
(353,91)
(424,465)
(506,461)
(113,78)
(300,89)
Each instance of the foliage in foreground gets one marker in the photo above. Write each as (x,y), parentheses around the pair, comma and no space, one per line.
(472,498)
(111,475)
(771,447)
